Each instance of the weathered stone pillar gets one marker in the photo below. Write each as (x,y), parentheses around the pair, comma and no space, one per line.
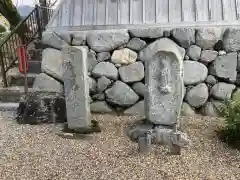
(163,98)
(164,80)
(76,88)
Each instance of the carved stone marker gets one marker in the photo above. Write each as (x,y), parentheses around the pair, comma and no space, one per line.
(163,99)
(164,81)
(76,87)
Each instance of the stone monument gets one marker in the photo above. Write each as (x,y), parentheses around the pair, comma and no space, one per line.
(76,88)
(163,98)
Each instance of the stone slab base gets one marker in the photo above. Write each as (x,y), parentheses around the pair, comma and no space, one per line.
(94,128)
(145,134)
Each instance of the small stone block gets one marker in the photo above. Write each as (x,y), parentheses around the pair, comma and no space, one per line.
(175,150)
(93,128)
(144,143)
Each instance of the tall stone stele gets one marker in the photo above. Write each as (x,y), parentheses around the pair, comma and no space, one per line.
(165,92)
(76,88)
(164,81)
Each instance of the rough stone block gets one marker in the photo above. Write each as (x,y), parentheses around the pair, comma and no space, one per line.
(102,41)
(43,82)
(231,40)
(198,95)
(184,36)
(132,73)
(79,38)
(137,110)
(121,94)
(225,67)
(206,38)
(52,63)
(147,32)
(136,44)
(106,69)
(100,107)
(52,39)
(194,72)
(41,107)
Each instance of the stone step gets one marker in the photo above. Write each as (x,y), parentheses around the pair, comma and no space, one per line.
(12,94)
(8,110)
(17,78)
(36,59)
(34,66)
(8,106)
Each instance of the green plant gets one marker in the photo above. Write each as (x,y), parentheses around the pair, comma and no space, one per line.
(231,131)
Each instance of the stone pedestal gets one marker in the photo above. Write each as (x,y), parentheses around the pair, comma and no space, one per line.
(41,107)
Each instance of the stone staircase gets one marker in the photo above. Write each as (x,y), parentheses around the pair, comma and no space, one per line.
(10,96)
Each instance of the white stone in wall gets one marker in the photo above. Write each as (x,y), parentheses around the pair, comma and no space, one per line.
(186,57)
(222,91)
(124,56)
(105,69)
(194,72)
(206,38)
(225,67)
(121,94)
(221,53)
(132,73)
(103,41)
(198,95)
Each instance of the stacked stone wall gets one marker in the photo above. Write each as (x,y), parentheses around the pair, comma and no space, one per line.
(116,66)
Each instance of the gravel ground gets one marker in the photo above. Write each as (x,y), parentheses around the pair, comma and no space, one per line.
(36,152)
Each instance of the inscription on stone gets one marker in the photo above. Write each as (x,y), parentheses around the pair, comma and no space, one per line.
(164,88)
(76,87)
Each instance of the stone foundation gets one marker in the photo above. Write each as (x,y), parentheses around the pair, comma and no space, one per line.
(116,61)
